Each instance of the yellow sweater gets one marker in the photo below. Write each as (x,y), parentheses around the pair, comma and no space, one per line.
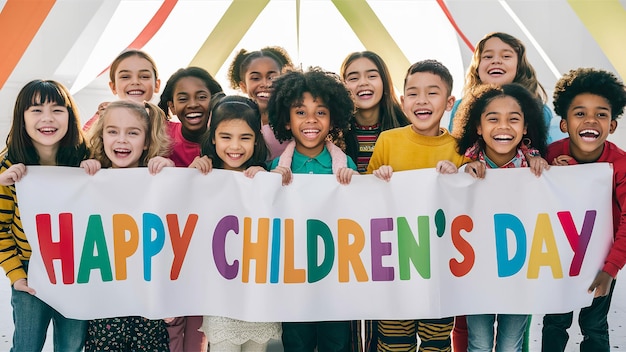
(13,245)
(403,149)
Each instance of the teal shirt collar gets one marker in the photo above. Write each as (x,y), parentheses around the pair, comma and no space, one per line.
(299,160)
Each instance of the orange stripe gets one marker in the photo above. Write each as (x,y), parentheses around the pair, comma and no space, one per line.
(19,22)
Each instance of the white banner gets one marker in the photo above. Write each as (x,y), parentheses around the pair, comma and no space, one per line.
(424,245)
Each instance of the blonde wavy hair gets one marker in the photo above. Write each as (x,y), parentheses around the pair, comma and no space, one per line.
(157,139)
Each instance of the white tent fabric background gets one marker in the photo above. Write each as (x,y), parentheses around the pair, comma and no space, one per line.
(79,38)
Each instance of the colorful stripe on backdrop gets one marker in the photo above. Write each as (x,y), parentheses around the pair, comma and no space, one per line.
(227,34)
(531,39)
(607,25)
(458,30)
(19,23)
(298,27)
(374,36)
(154,25)
(151,28)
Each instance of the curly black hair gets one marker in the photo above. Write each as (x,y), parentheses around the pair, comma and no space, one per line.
(468,116)
(232,107)
(593,81)
(243,59)
(289,89)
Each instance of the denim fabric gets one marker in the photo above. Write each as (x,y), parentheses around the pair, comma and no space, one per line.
(31,317)
(593,326)
(509,336)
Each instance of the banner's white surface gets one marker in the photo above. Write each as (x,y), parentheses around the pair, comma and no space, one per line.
(424,245)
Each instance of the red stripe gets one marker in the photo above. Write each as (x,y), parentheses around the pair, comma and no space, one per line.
(152,27)
(445,9)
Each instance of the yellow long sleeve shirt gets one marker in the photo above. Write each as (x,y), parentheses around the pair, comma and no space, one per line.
(14,247)
(404,149)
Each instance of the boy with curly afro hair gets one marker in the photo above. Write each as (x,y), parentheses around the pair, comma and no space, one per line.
(589,102)
(311,106)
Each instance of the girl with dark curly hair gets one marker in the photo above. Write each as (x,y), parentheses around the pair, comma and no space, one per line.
(497,126)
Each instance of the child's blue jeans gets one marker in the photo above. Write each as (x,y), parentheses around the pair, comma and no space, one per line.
(509,335)
(31,317)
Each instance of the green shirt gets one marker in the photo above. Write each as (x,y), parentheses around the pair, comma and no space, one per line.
(321,164)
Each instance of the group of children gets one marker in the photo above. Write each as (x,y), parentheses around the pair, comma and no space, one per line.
(313,121)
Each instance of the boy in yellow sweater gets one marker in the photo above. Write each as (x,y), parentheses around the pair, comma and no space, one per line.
(422,144)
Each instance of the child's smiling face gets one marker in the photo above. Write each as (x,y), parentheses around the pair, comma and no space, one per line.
(234,143)
(46,124)
(498,62)
(588,124)
(191,100)
(309,122)
(502,127)
(426,98)
(257,80)
(124,137)
(135,80)
(364,82)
